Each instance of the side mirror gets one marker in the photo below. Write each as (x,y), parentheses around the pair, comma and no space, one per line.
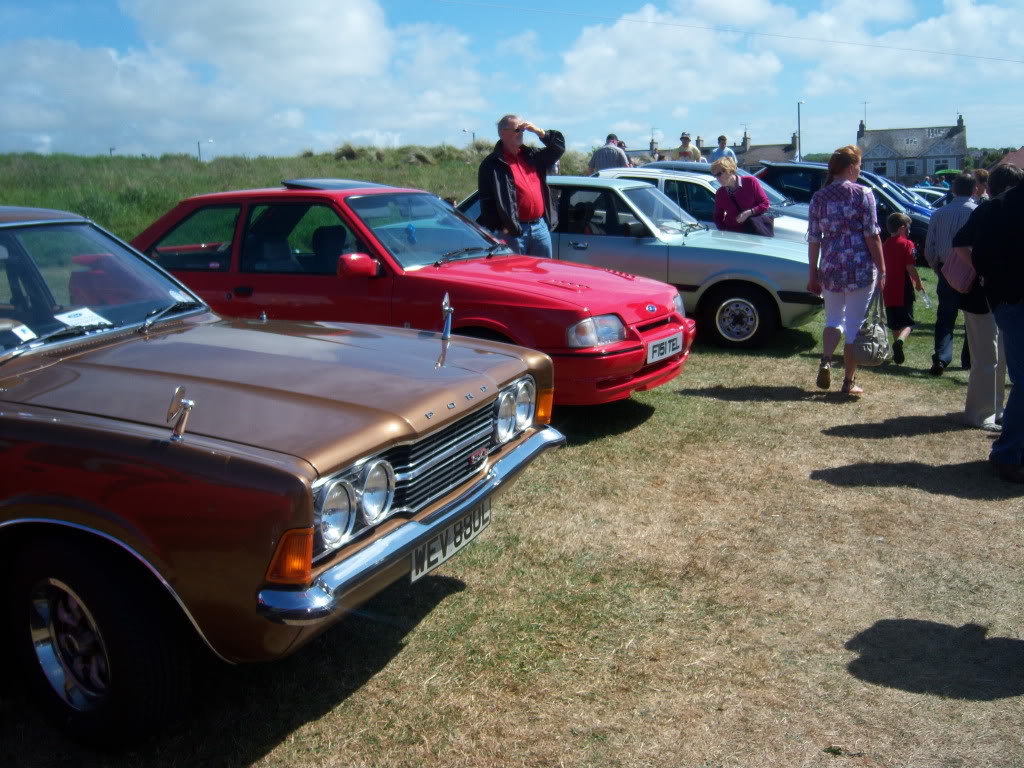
(357,265)
(635,229)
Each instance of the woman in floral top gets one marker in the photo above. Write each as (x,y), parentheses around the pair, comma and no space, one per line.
(843,231)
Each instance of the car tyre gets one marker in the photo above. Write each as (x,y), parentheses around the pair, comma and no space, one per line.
(97,648)
(738,316)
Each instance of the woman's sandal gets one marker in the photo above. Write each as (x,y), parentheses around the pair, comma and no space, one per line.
(824,380)
(850,387)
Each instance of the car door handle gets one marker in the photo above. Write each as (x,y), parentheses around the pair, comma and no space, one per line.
(243,291)
(579,246)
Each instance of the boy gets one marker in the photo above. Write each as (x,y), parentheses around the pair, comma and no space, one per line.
(898,295)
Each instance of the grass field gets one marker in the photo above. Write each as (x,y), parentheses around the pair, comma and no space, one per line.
(735,569)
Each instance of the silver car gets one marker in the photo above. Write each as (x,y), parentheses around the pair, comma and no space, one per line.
(741,287)
(695,194)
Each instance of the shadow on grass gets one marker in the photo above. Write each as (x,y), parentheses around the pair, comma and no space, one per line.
(901,426)
(784,343)
(240,714)
(968,480)
(761,393)
(938,659)
(582,424)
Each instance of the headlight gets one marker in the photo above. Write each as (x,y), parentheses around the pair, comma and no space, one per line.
(678,301)
(505,424)
(526,403)
(378,490)
(595,331)
(336,517)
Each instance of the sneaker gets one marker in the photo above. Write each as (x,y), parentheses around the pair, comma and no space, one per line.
(897,352)
(824,380)
(936,369)
(850,387)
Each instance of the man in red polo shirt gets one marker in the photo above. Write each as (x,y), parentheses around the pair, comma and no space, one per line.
(515,201)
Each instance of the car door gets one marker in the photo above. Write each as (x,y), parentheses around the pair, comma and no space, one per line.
(288,267)
(694,198)
(796,183)
(199,249)
(597,227)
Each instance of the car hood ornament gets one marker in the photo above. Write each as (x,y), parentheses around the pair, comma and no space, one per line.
(180,408)
(446,330)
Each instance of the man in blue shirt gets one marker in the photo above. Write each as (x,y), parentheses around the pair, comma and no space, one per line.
(722,151)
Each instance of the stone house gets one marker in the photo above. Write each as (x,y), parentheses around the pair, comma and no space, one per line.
(909,154)
(749,156)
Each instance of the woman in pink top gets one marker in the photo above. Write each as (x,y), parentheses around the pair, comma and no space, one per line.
(843,231)
(739,198)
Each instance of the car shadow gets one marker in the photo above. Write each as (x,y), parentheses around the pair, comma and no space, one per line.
(241,713)
(582,424)
(938,659)
(968,480)
(901,426)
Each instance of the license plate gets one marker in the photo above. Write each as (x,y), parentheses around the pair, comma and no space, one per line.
(662,348)
(442,547)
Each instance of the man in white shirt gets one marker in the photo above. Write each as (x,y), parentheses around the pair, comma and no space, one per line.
(688,151)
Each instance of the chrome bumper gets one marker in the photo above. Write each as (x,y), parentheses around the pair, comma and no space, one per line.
(325,597)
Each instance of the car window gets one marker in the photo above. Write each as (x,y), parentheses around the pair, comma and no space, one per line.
(594,212)
(676,192)
(296,238)
(662,212)
(201,242)
(58,276)
(419,229)
(702,202)
(795,183)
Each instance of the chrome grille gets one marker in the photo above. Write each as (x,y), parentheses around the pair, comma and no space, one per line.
(428,469)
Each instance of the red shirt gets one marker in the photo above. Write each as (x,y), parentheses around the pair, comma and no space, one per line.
(529,195)
(898,253)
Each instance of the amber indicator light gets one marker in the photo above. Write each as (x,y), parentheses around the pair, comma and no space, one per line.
(545,400)
(293,558)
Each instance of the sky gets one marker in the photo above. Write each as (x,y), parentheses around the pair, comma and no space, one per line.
(263,77)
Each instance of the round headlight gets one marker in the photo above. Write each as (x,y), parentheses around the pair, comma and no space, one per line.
(337,514)
(526,400)
(505,424)
(378,490)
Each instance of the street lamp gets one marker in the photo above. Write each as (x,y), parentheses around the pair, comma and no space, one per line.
(799,137)
(471,133)
(199,148)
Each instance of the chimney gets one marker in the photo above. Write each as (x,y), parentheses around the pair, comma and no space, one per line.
(700,143)
(860,130)
(654,147)
(746,142)
(792,141)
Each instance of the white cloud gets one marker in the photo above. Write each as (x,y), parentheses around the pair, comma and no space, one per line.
(524,48)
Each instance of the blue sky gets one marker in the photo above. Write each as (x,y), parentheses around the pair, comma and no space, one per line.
(265,77)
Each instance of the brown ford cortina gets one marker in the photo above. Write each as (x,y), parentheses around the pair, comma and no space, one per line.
(170,476)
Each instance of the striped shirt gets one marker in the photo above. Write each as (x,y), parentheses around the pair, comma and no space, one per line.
(944,224)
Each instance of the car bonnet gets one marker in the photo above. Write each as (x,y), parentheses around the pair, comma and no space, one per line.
(323,392)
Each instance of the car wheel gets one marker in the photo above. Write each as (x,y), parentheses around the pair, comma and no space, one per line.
(739,316)
(96,647)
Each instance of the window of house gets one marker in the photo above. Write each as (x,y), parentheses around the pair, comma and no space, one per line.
(934,133)
(911,141)
(881,168)
(941,165)
(911,169)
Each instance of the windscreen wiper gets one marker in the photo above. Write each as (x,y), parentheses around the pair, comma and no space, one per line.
(156,314)
(459,252)
(68,331)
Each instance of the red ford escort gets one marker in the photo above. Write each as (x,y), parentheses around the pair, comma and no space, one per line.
(329,249)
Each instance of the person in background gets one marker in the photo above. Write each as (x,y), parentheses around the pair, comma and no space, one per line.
(738,198)
(722,150)
(901,279)
(995,236)
(515,200)
(944,223)
(688,151)
(986,386)
(610,155)
(844,253)
(980,185)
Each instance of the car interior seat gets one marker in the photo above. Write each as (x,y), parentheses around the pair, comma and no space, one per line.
(263,255)
(328,244)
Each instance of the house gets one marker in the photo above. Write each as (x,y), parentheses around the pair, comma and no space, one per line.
(1016,157)
(909,154)
(749,156)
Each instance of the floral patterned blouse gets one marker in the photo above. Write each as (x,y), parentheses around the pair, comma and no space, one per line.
(842,214)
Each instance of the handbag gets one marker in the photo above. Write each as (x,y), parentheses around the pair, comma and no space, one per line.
(762,224)
(958,272)
(871,347)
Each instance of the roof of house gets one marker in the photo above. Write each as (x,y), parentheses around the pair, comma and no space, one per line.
(773,153)
(896,143)
(1016,157)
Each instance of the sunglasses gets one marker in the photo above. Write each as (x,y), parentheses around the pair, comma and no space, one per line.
(520,129)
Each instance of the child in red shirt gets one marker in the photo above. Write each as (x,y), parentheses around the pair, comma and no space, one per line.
(900,280)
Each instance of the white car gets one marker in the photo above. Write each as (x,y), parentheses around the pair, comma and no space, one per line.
(695,194)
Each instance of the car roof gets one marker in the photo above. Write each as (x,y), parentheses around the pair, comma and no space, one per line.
(704,169)
(601,182)
(645,171)
(327,187)
(793,164)
(12,214)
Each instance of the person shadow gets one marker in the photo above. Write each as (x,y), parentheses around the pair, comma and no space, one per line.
(938,659)
(966,480)
(239,714)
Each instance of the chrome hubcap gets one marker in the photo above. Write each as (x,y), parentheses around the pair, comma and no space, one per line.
(737,319)
(68,645)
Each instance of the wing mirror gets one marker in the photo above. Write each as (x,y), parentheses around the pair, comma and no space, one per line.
(636,229)
(357,265)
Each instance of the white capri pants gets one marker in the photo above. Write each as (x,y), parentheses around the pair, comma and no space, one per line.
(845,310)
